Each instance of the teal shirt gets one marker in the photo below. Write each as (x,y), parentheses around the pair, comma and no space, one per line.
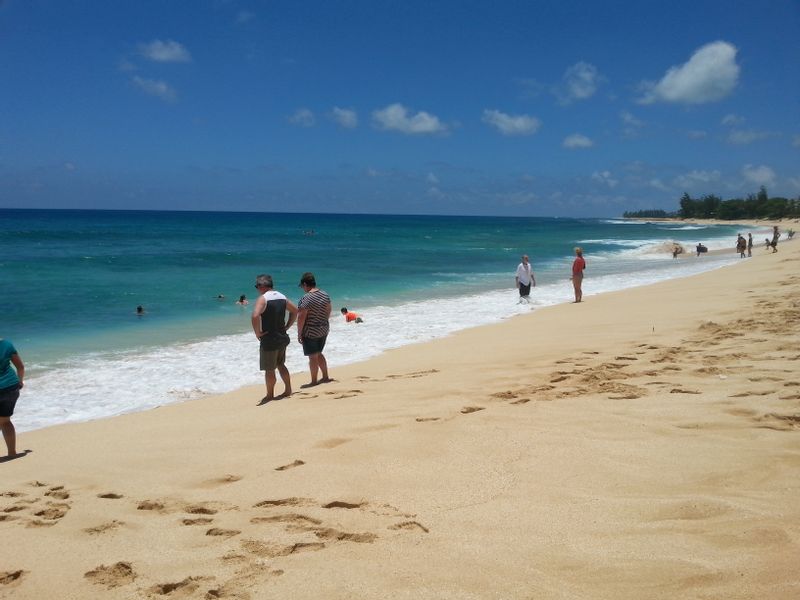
(8,375)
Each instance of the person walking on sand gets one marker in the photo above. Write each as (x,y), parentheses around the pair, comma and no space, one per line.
(578,265)
(749,244)
(10,385)
(741,245)
(524,280)
(775,237)
(313,325)
(270,326)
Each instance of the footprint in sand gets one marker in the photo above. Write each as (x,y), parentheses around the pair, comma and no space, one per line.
(471,409)
(217,532)
(103,528)
(116,575)
(11,578)
(197,521)
(410,525)
(332,443)
(426,419)
(110,496)
(509,395)
(184,588)
(291,465)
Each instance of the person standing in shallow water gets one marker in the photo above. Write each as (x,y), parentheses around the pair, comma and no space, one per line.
(10,385)
(578,265)
(313,325)
(525,279)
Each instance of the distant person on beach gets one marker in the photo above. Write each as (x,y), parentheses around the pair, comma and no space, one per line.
(741,246)
(775,237)
(749,244)
(243,301)
(767,243)
(676,249)
(140,310)
(700,249)
(524,280)
(578,266)
(10,385)
(270,326)
(790,234)
(313,316)
(220,296)
(351,317)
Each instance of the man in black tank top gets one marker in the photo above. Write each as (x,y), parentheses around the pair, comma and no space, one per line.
(270,325)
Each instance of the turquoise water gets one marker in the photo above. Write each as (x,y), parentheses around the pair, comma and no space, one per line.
(71,281)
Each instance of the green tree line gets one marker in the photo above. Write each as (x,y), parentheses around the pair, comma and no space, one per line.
(755,206)
(647,214)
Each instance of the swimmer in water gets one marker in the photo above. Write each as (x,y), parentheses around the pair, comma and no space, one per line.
(351,317)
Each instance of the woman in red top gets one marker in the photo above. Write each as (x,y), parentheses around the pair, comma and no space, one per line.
(578,265)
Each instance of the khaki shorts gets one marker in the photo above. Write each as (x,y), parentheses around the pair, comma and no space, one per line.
(271,359)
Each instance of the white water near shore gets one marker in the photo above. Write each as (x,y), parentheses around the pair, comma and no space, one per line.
(92,386)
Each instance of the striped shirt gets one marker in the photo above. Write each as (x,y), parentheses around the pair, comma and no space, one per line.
(317,303)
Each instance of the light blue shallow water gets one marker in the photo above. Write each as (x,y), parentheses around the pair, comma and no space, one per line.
(71,281)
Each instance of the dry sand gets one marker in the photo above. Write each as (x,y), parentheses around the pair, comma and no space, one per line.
(642,444)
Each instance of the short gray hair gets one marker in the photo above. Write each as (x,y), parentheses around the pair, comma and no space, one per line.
(264,281)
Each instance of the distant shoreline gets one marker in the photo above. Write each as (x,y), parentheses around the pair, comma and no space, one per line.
(694,221)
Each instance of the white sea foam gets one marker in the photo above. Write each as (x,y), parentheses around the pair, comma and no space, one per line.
(102,385)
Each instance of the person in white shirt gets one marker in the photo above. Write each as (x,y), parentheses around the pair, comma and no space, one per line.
(525,280)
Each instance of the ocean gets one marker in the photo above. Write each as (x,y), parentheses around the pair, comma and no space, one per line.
(71,282)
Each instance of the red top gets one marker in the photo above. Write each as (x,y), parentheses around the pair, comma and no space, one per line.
(578,265)
(350,316)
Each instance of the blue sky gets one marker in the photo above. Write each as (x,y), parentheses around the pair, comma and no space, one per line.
(557,108)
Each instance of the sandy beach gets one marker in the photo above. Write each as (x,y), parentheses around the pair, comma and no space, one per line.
(641,444)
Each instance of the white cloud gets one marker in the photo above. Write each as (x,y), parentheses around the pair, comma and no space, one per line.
(580,81)
(696,134)
(605,177)
(709,75)
(741,136)
(576,140)
(696,178)
(169,51)
(759,175)
(794,182)
(731,119)
(511,124)
(659,185)
(345,117)
(432,179)
(395,117)
(154,87)
(302,117)
(631,125)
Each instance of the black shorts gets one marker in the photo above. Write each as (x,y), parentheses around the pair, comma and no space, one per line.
(524,290)
(313,345)
(8,400)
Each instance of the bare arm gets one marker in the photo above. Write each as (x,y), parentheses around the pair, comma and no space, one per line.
(302,313)
(20,366)
(255,319)
(292,315)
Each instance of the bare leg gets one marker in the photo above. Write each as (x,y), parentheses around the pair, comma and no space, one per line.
(9,435)
(269,377)
(287,380)
(323,366)
(313,367)
(576,283)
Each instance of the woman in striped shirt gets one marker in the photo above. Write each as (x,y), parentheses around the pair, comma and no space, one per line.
(313,314)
